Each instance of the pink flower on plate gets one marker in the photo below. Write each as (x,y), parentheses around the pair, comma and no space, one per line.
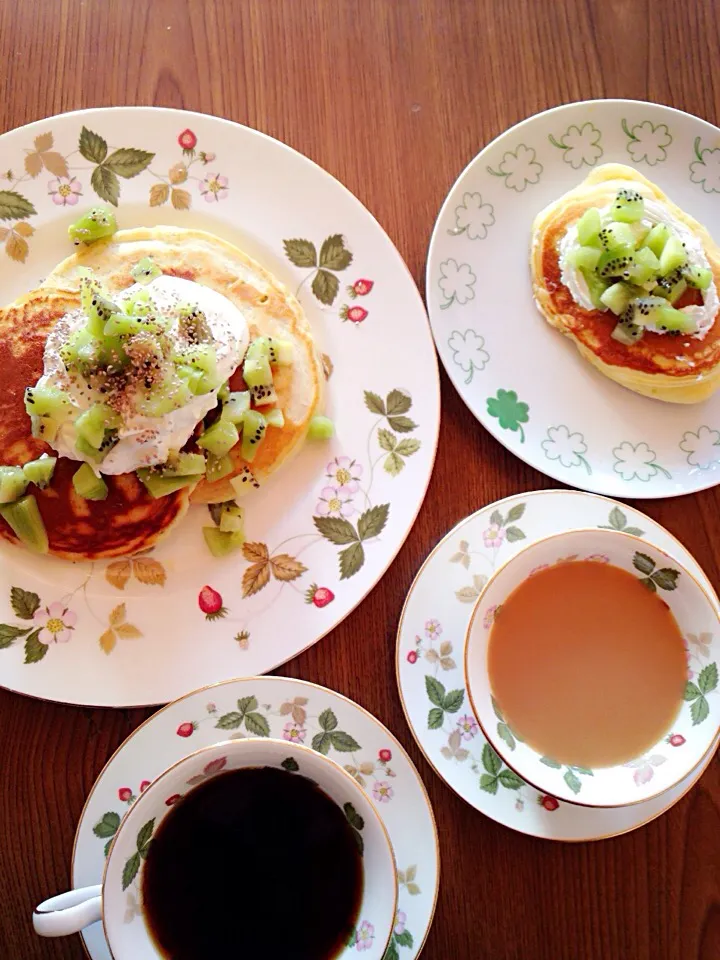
(65,191)
(489,617)
(332,503)
(214,187)
(207,157)
(56,622)
(365,936)
(494,535)
(144,785)
(542,566)
(599,558)
(294,732)
(400,921)
(412,656)
(433,629)
(345,474)
(382,791)
(643,775)
(468,727)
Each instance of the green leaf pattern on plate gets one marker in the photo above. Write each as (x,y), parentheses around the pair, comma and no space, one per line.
(580,145)
(647,142)
(519,168)
(456,282)
(702,447)
(705,170)
(509,411)
(473,217)
(569,448)
(468,352)
(636,461)
(334,257)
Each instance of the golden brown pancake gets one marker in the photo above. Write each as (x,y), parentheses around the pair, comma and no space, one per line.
(269,308)
(129,520)
(677,369)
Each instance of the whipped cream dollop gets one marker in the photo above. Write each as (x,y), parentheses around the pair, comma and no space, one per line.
(704,316)
(142,440)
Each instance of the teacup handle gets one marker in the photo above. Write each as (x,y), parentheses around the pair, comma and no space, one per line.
(69,912)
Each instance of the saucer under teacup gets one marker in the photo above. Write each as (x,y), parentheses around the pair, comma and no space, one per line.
(298,713)
(698,722)
(430,654)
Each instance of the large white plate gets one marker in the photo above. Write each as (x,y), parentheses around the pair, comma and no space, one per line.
(526,383)
(139,634)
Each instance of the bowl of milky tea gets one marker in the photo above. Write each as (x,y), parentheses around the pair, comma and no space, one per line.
(591,663)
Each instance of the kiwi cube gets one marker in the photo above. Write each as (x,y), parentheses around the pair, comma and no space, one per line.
(281,352)
(698,277)
(596,288)
(44,428)
(13,483)
(145,270)
(257,372)
(231,518)
(40,471)
(184,465)
(220,438)
(585,258)
(321,428)
(235,406)
(628,206)
(97,224)
(221,544)
(244,482)
(617,238)
(588,228)
(158,486)
(24,519)
(88,484)
(673,255)
(47,402)
(274,417)
(617,297)
(657,238)
(217,468)
(254,427)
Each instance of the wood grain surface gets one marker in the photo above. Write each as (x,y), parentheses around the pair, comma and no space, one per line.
(393,97)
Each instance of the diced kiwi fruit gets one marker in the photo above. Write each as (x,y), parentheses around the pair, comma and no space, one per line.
(124,325)
(139,303)
(44,428)
(263,396)
(86,450)
(617,297)
(93,423)
(88,484)
(13,484)
(40,471)
(627,333)
(97,307)
(95,225)
(257,372)
(235,406)
(48,402)
(184,465)
(656,315)
(254,427)
(145,270)
(201,357)
(23,517)
(217,468)
(193,324)
(321,428)
(673,255)
(274,417)
(697,277)
(657,238)
(671,288)
(220,438)
(588,228)
(224,391)
(610,265)
(617,238)
(628,206)
(232,518)
(259,347)
(221,544)
(596,288)
(244,482)
(645,266)
(102,353)
(640,232)
(280,352)
(158,486)
(584,258)
(195,379)
(69,350)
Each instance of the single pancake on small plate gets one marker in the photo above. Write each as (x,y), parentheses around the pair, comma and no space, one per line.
(633,281)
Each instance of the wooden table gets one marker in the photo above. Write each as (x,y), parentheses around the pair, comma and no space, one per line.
(393,97)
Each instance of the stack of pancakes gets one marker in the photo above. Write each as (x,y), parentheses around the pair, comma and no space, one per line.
(129,519)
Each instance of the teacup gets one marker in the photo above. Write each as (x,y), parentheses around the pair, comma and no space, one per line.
(695,730)
(126,930)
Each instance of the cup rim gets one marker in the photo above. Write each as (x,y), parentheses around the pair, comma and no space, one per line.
(233,745)
(714,740)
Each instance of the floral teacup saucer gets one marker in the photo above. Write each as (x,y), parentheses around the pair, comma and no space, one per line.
(430,664)
(298,712)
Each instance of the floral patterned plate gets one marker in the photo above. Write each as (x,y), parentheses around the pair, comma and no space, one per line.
(523,381)
(298,712)
(321,535)
(430,653)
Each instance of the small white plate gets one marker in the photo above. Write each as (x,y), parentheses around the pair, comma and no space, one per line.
(283,709)
(526,383)
(323,532)
(430,654)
